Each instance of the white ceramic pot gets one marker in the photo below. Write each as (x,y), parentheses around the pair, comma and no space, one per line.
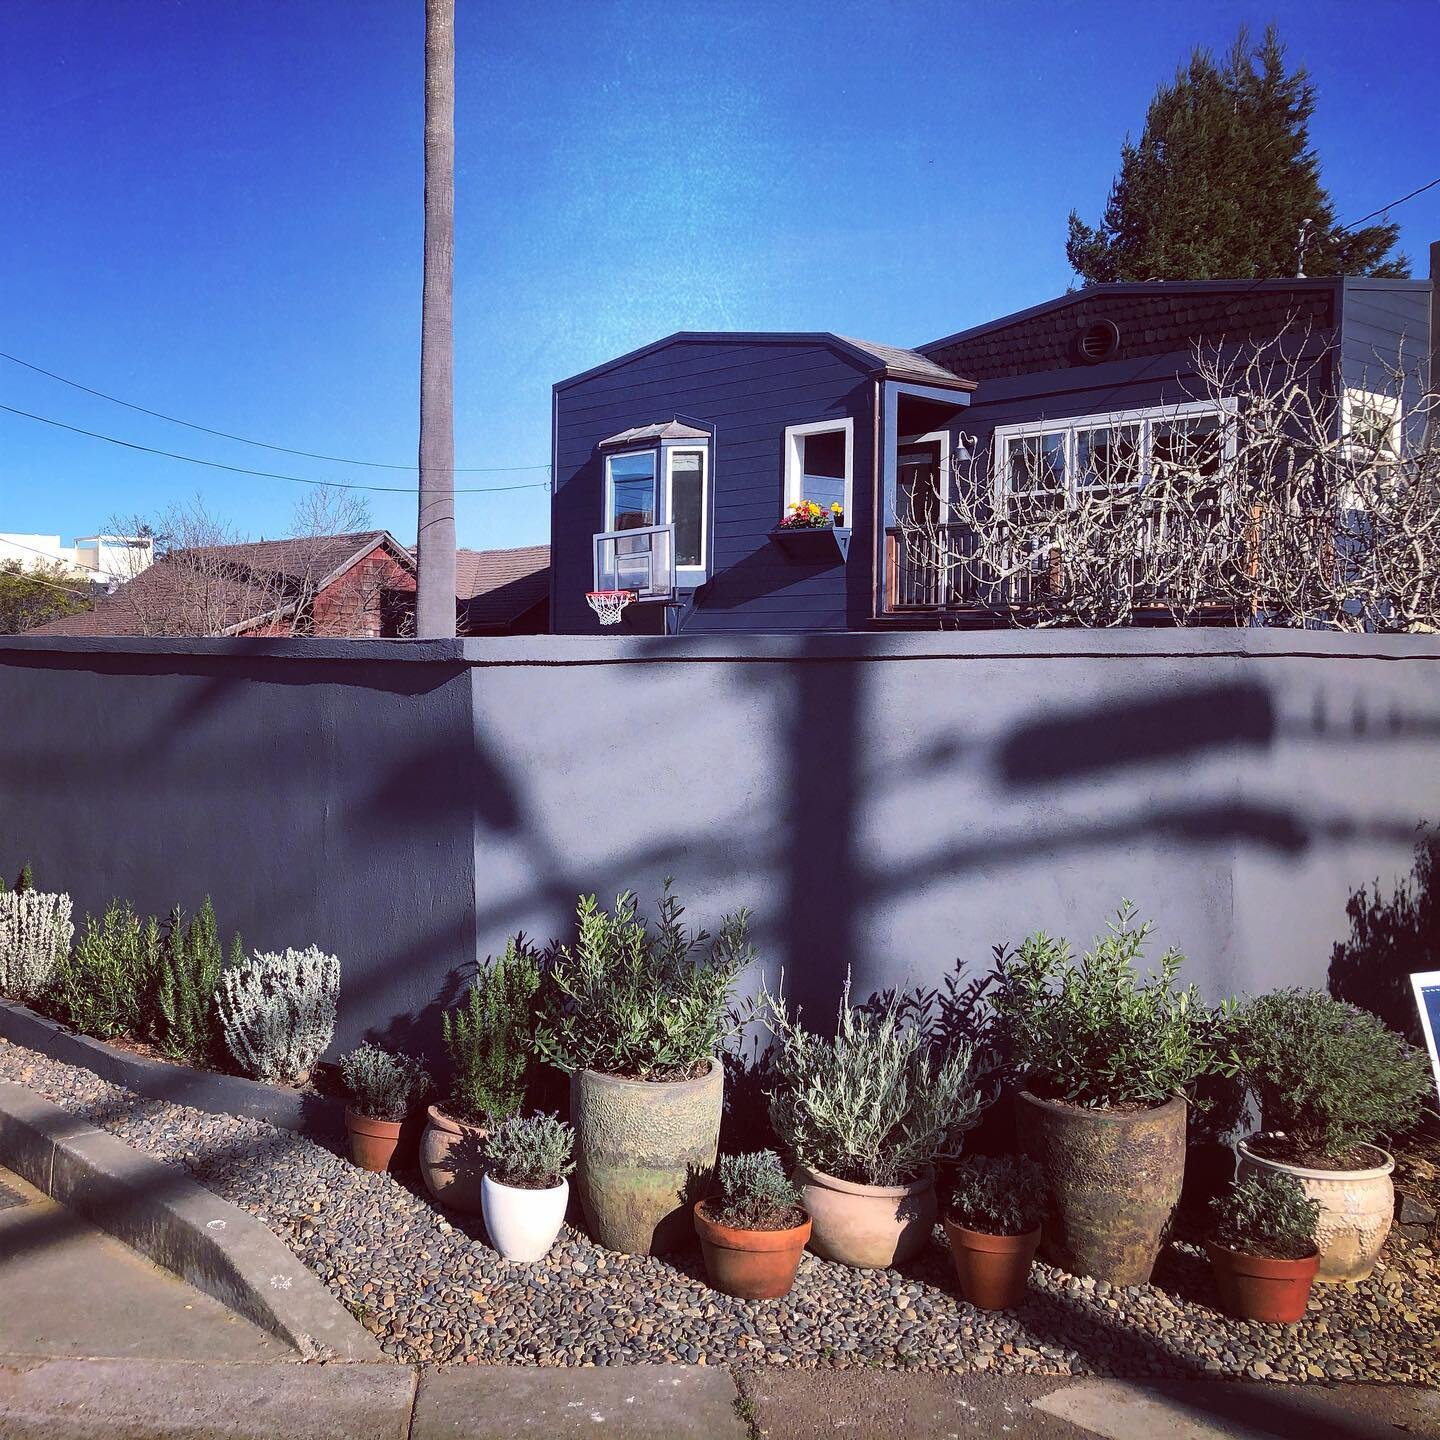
(1356,1208)
(523,1224)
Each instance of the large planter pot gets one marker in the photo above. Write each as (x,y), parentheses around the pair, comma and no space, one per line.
(643,1150)
(992,1269)
(1114,1178)
(750,1264)
(1255,1287)
(1356,1209)
(869,1226)
(372,1142)
(452,1160)
(523,1223)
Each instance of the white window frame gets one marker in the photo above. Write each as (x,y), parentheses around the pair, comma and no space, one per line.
(607,511)
(1354,396)
(931,437)
(794,461)
(1071,425)
(693,573)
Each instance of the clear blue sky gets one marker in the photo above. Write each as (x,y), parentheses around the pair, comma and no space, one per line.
(212,207)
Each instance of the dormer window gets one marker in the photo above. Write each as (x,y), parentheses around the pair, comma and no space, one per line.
(630,490)
(657,478)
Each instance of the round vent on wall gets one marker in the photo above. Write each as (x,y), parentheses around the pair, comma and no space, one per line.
(1097,342)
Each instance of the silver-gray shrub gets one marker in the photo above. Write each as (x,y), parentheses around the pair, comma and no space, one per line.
(380,1085)
(531,1152)
(875,1103)
(753,1192)
(277,1012)
(998,1194)
(35,934)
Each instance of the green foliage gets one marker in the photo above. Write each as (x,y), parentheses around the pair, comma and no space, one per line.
(1267,1213)
(186,1025)
(753,1192)
(532,1152)
(872,1104)
(380,1085)
(30,596)
(1220,180)
(26,880)
(999,1194)
(1093,1033)
(105,987)
(1329,1075)
(488,1035)
(642,1002)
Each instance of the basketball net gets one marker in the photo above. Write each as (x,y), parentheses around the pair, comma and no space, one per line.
(609,604)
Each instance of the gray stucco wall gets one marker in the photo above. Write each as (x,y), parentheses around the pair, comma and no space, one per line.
(886,803)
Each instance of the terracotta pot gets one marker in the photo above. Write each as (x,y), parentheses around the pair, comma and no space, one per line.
(1356,1209)
(1255,1287)
(1114,1178)
(372,1142)
(643,1149)
(869,1226)
(992,1269)
(750,1264)
(452,1160)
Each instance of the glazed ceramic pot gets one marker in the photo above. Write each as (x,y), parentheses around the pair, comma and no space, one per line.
(993,1270)
(372,1142)
(1356,1208)
(1114,1178)
(452,1160)
(869,1226)
(643,1149)
(523,1223)
(750,1264)
(1255,1287)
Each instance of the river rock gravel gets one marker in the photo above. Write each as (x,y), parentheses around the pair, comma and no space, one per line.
(429,1287)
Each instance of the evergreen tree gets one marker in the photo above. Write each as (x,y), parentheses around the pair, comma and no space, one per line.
(1220,182)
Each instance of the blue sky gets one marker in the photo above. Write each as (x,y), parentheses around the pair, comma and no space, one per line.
(212,207)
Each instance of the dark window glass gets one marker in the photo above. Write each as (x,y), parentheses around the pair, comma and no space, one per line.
(687,505)
(824,454)
(632,491)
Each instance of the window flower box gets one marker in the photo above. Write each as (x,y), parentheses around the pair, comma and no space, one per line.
(821,545)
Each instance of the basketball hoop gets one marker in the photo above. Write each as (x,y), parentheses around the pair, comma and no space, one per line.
(609,604)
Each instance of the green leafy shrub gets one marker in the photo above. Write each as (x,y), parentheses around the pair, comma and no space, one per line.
(753,1192)
(1094,1033)
(106,986)
(35,934)
(489,1035)
(872,1104)
(999,1194)
(186,1025)
(531,1152)
(380,1085)
(277,1012)
(650,1004)
(1327,1074)
(1267,1214)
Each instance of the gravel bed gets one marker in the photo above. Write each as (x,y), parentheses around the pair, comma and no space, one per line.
(430,1288)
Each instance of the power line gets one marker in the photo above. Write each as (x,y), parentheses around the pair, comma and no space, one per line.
(245,440)
(78,564)
(51,585)
(1429,185)
(266,474)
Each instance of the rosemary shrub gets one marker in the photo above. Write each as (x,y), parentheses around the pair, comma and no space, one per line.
(999,1194)
(753,1192)
(106,986)
(488,1035)
(530,1152)
(1268,1214)
(382,1086)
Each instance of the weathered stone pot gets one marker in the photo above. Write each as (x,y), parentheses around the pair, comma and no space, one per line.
(452,1161)
(871,1227)
(1115,1179)
(644,1149)
(1356,1209)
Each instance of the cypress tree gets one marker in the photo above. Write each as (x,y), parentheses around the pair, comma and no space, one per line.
(1220,181)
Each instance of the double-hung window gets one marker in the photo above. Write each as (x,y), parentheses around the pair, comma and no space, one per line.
(820,465)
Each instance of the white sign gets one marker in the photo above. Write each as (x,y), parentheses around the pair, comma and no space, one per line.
(1427,999)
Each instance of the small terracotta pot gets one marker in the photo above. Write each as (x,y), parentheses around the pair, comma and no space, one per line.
(750,1264)
(452,1161)
(992,1269)
(1255,1287)
(867,1226)
(372,1142)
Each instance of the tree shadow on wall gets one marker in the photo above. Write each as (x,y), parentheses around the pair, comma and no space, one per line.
(1389,939)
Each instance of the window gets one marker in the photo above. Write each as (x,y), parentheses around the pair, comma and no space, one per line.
(820,464)
(687,505)
(630,490)
(1372,423)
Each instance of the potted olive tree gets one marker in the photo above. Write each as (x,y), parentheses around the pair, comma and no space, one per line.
(635,1014)
(488,1041)
(1263,1249)
(524,1190)
(381,1090)
(1330,1080)
(1106,1058)
(867,1113)
(753,1229)
(996,1209)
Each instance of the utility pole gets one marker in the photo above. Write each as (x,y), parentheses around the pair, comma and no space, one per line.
(435,536)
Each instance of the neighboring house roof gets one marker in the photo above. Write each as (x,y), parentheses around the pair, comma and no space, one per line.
(908,363)
(249,584)
(497,588)
(665,430)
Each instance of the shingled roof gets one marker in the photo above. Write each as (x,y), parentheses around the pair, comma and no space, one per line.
(503,590)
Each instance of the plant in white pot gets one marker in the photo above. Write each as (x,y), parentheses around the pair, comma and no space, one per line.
(867,1113)
(1330,1081)
(524,1190)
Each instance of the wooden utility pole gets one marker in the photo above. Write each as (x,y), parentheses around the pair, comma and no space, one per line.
(435,539)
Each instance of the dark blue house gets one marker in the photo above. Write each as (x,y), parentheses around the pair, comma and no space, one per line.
(674,465)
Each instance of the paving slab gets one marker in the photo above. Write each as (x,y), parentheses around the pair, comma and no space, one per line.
(1220,1410)
(175,1400)
(640,1402)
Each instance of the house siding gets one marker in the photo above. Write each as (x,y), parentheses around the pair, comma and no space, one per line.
(1386,323)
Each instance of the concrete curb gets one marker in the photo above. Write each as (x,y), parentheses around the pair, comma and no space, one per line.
(162,1213)
(316,1116)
